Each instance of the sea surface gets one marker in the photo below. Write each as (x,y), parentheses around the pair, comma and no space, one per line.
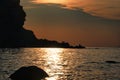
(63,64)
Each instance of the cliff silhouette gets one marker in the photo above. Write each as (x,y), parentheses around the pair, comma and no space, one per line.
(12,33)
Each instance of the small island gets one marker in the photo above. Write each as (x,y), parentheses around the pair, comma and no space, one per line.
(12,33)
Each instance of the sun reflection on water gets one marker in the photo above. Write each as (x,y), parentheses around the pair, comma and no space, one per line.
(52,78)
(53,61)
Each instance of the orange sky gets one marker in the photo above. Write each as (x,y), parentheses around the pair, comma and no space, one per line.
(88,22)
(107,8)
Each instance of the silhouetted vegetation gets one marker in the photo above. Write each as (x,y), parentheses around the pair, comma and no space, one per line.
(48,43)
(12,33)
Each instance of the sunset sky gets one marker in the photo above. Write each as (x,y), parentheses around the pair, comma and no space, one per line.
(86,22)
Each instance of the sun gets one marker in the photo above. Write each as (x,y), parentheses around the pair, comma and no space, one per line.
(50,1)
(70,4)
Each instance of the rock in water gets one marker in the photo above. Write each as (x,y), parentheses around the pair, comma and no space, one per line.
(29,73)
(112,62)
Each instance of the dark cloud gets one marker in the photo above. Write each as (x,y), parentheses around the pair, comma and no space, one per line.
(107,8)
(55,14)
(46,19)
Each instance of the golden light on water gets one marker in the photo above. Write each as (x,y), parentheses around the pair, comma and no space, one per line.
(53,50)
(53,54)
(52,78)
(53,58)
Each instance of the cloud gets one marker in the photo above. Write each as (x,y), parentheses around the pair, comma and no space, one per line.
(54,14)
(108,8)
(56,22)
(70,24)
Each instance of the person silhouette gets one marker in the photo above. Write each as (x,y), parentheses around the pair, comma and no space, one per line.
(29,73)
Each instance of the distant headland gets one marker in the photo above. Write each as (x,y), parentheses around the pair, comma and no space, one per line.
(12,33)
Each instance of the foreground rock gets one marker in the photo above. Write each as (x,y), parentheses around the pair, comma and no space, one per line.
(29,73)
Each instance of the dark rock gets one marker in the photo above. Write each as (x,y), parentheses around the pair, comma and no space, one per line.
(112,62)
(29,73)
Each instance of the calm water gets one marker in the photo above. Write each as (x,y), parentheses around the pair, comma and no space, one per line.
(63,64)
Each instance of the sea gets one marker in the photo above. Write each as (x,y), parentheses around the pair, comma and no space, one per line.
(63,63)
